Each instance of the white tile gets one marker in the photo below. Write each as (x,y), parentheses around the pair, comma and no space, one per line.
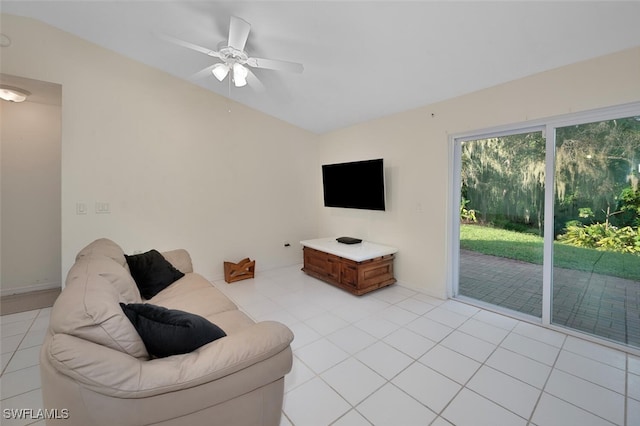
(29,400)
(392,294)
(353,380)
(389,406)
(352,418)
(261,308)
(446,317)
(305,311)
(428,299)
(33,338)
(430,329)
(351,339)
(10,343)
(633,364)
(470,346)
(321,355)
(409,342)
(441,422)
(505,391)
(586,395)
(377,327)
(384,359)
(284,421)
(484,331)
(450,363)
(15,328)
(530,348)
(593,371)
(519,366)
(298,375)
(20,381)
(314,403)
(24,358)
(416,306)
(40,323)
(352,312)
(460,308)
(303,335)
(427,386)
(596,352)
(280,316)
(497,320)
(633,412)
(470,409)
(397,315)
(326,323)
(541,334)
(19,316)
(552,411)
(633,386)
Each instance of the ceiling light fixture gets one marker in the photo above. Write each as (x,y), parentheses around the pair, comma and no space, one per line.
(220,71)
(13,94)
(240,74)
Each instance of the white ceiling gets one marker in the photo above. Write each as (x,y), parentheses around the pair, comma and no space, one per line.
(362,59)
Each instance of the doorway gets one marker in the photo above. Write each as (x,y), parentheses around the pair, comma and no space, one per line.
(30,225)
(547,225)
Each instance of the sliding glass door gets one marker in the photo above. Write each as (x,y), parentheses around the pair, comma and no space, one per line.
(579,269)
(502,221)
(596,257)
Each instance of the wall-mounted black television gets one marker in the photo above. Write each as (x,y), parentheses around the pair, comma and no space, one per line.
(355,185)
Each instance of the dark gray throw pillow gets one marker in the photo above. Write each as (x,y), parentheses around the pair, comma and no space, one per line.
(152,272)
(167,332)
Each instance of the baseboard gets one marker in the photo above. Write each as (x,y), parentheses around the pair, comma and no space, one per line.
(29,288)
(28,301)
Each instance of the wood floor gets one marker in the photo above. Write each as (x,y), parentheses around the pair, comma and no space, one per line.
(28,301)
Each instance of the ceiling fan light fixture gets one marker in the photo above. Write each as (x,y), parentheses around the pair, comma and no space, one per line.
(240,75)
(220,71)
(13,94)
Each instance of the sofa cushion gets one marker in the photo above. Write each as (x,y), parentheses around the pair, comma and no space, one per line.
(194,293)
(167,332)
(152,272)
(104,247)
(88,308)
(116,274)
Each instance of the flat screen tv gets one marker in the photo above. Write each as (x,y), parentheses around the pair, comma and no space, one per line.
(355,185)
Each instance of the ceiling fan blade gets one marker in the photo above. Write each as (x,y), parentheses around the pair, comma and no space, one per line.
(188,45)
(238,33)
(274,64)
(203,73)
(255,82)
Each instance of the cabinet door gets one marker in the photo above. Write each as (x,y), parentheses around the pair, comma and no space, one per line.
(349,275)
(333,267)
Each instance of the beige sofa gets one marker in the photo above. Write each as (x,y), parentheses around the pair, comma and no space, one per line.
(95,369)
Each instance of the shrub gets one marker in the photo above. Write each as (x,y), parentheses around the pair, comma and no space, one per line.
(601,237)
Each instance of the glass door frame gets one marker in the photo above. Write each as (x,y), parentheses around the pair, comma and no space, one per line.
(548,126)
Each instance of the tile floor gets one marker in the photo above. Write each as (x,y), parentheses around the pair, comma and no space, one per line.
(398,357)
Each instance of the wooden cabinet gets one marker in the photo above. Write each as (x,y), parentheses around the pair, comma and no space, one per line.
(357,277)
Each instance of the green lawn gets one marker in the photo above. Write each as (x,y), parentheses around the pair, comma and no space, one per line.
(528,248)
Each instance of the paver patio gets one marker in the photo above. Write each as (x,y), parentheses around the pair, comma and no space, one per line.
(602,305)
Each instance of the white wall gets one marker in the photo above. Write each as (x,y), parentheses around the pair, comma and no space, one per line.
(415,146)
(180,171)
(30,170)
(177,169)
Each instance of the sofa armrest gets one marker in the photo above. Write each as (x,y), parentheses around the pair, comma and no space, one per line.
(180,259)
(109,372)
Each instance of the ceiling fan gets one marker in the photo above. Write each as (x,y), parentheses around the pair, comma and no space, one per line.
(235,61)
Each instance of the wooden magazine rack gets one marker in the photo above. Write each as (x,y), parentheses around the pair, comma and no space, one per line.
(239,271)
